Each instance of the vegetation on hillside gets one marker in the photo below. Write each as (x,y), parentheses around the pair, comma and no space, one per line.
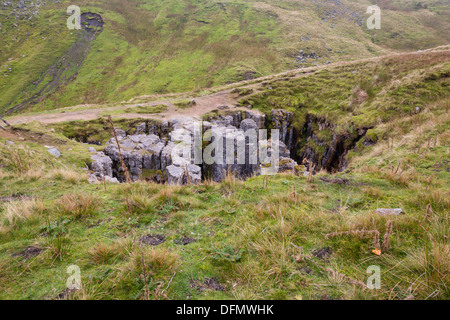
(150,47)
(281,237)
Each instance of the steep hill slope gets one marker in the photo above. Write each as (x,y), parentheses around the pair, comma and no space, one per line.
(152,47)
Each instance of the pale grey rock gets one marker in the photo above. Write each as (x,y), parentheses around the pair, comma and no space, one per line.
(260,119)
(175,175)
(101,165)
(248,124)
(54,152)
(111,180)
(121,134)
(141,128)
(386,212)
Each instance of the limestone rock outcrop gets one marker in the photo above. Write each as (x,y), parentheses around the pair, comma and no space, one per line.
(158,152)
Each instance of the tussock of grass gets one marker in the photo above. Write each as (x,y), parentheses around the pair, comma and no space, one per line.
(32,175)
(58,246)
(66,175)
(78,205)
(152,261)
(104,253)
(18,211)
(427,271)
(168,196)
(148,269)
(140,204)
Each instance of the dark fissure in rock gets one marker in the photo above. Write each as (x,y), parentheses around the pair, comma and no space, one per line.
(311,151)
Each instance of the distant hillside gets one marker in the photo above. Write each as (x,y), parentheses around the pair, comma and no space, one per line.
(182,45)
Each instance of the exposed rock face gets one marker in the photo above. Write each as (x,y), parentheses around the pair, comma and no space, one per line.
(260,119)
(140,152)
(158,151)
(162,157)
(141,128)
(329,154)
(101,165)
(175,175)
(248,124)
(282,120)
(287,165)
(239,167)
(102,169)
(191,174)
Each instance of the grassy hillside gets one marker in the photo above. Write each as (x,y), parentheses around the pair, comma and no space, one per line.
(289,237)
(151,47)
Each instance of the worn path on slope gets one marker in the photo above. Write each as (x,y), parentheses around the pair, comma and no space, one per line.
(220,96)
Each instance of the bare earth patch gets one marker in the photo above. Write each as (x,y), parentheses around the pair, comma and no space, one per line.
(185,240)
(29,252)
(208,284)
(323,254)
(153,240)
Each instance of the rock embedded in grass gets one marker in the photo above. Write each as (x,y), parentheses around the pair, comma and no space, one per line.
(54,152)
(385,212)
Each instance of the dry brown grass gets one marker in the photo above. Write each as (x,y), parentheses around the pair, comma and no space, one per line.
(104,252)
(140,187)
(78,205)
(155,261)
(4,174)
(152,267)
(438,199)
(277,254)
(168,193)
(138,203)
(230,183)
(424,271)
(17,211)
(373,192)
(32,175)
(66,175)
